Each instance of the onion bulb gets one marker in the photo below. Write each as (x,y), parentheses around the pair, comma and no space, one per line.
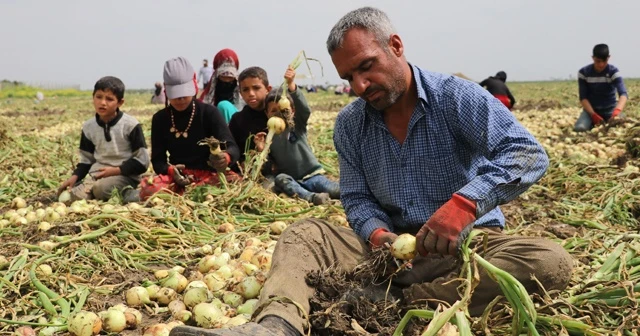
(226,228)
(175,281)
(206,249)
(47,245)
(253,241)
(4,222)
(207,315)
(159,329)
(44,226)
(137,296)
(224,272)
(44,270)
(277,227)
(236,321)
(166,295)
(195,276)
(19,220)
(24,331)
(277,124)
(85,323)
(174,324)
(221,260)
(153,291)
(133,318)
(161,274)
(249,268)
(214,282)
(247,307)
(31,217)
(53,216)
(121,307)
(18,203)
(206,263)
(196,284)
(248,253)
(249,287)
(197,295)
(262,260)
(64,197)
(114,321)
(176,306)
(232,299)
(404,247)
(182,316)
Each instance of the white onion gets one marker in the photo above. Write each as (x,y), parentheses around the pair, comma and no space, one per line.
(197,295)
(404,247)
(232,299)
(224,272)
(175,281)
(207,315)
(178,269)
(18,203)
(277,227)
(40,213)
(195,276)
(114,321)
(206,249)
(64,197)
(61,209)
(233,249)
(249,287)
(4,223)
(206,263)
(44,270)
(19,220)
(182,316)
(137,296)
(22,211)
(47,245)
(44,226)
(53,216)
(31,217)
(85,323)
(249,268)
(247,307)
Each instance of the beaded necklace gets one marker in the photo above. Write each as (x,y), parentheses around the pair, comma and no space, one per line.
(173,128)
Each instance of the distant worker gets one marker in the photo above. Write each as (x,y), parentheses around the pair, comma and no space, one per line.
(158,95)
(598,83)
(205,73)
(497,87)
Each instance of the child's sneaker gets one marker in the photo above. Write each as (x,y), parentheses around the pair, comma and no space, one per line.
(320,198)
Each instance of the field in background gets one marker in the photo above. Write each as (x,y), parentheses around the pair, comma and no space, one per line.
(588,202)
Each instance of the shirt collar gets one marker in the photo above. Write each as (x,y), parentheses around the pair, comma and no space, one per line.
(112,122)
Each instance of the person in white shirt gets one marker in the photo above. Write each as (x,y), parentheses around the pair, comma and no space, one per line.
(204,75)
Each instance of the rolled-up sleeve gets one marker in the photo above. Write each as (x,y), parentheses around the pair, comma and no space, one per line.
(515,160)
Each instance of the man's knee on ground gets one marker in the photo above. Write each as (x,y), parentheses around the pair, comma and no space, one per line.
(556,265)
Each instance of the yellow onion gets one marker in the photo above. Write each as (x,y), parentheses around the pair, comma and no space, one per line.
(404,247)
(40,213)
(61,209)
(232,299)
(166,295)
(253,241)
(182,316)
(248,253)
(221,260)
(206,263)
(196,284)
(114,321)
(226,228)
(53,216)
(197,295)
(277,124)
(161,274)
(224,272)
(153,291)
(133,318)
(18,203)
(175,281)
(24,331)
(3,261)
(44,226)
(233,249)
(178,269)
(249,268)
(19,220)
(137,296)
(85,323)
(176,306)
(214,282)
(44,270)
(277,227)
(236,321)
(31,217)
(262,260)
(4,223)
(249,287)
(248,307)
(174,324)
(195,276)
(159,329)
(22,212)
(206,249)
(47,245)
(207,315)
(121,307)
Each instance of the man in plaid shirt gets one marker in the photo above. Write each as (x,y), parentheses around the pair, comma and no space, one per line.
(422,153)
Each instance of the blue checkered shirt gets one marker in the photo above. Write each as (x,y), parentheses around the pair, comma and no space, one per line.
(460,140)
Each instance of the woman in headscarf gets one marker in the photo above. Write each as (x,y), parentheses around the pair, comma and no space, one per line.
(223,90)
(158,95)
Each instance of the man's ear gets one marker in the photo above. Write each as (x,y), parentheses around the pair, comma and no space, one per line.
(269,87)
(120,102)
(395,45)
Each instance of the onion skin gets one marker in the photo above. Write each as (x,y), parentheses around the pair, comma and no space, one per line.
(404,247)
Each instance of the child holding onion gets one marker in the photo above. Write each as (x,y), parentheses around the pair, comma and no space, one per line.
(177,130)
(295,167)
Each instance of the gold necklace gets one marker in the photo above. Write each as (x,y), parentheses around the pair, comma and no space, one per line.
(173,128)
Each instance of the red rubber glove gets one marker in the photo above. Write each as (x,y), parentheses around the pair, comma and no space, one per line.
(447,227)
(615,113)
(380,236)
(596,119)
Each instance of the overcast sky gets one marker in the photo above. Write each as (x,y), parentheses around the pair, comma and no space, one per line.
(77,42)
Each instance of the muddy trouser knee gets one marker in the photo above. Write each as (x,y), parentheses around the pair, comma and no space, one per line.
(434,278)
(103,187)
(306,246)
(291,187)
(321,184)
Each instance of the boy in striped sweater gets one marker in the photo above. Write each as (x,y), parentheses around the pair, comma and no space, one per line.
(598,83)
(113,151)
